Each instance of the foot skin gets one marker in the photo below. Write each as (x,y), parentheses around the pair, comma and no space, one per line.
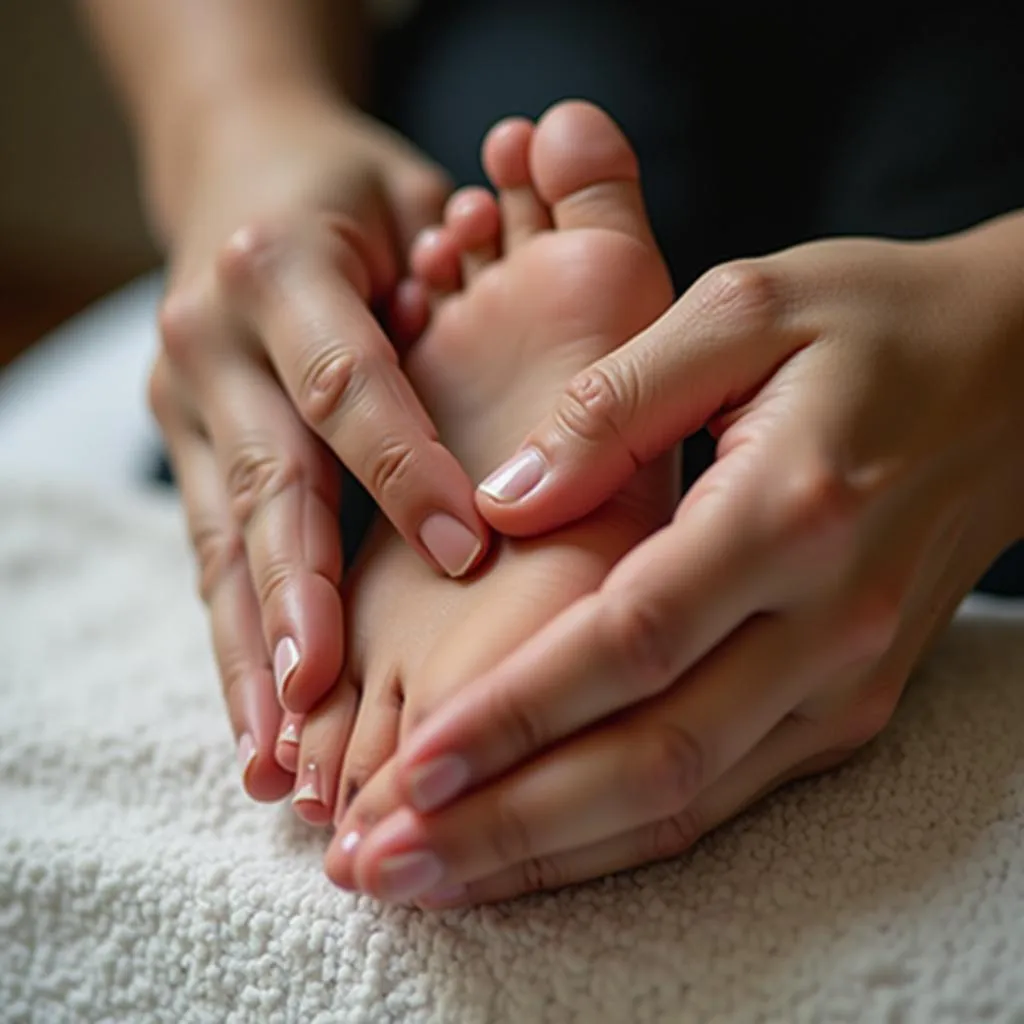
(526,289)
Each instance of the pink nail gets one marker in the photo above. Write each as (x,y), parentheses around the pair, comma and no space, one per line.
(246,754)
(408,875)
(286,661)
(309,786)
(454,546)
(437,781)
(516,478)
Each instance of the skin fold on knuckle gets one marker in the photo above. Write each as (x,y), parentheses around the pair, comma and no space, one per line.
(391,468)
(743,294)
(255,476)
(669,769)
(219,551)
(331,383)
(508,840)
(594,406)
(541,874)
(639,645)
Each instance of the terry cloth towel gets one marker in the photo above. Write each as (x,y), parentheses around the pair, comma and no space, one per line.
(137,882)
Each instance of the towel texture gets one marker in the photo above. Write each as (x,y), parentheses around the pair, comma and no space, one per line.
(137,883)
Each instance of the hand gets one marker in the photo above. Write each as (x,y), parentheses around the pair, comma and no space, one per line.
(867,401)
(272,364)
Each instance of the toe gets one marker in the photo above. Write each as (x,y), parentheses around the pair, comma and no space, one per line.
(434,261)
(506,156)
(408,313)
(374,739)
(586,171)
(472,218)
(324,739)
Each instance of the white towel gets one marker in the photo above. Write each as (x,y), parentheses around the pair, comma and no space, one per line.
(138,883)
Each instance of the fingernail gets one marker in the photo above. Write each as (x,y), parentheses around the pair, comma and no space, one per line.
(436,782)
(453,545)
(443,896)
(246,754)
(309,789)
(408,875)
(289,734)
(286,660)
(517,477)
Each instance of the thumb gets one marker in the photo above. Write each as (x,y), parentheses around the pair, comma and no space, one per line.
(712,349)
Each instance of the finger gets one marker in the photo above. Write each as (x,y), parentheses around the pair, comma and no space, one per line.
(791,750)
(283,487)
(343,376)
(240,652)
(649,765)
(667,603)
(721,340)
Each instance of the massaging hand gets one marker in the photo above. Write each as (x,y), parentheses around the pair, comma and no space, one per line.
(272,364)
(867,401)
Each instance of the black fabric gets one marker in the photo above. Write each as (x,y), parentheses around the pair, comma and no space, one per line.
(758,126)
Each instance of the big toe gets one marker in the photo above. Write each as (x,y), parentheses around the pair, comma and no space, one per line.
(586,171)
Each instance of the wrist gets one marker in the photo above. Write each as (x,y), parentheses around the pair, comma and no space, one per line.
(989,289)
(229,131)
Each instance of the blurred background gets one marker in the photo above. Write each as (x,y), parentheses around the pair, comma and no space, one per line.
(71,228)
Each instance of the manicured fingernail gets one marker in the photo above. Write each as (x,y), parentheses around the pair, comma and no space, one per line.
(437,781)
(454,546)
(309,787)
(289,734)
(408,875)
(514,480)
(286,660)
(246,754)
(443,896)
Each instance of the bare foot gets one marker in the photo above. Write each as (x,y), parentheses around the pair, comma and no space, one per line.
(526,291)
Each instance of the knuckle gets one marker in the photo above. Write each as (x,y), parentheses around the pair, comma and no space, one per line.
(508,837)
(330,383)
(218,551)
(541,874)
(253,255)
(520,727)
(391,466)
(271,581)
(818,508)
(670,770)
(596,403)
(184,320)
(742,291)
(674,835)
(642,645)
(255,476)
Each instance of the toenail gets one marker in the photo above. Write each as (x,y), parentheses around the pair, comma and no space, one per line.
(454,546)
(286,660)
(246,755)
(409,875)
(289,734)
(309,790)
(436,782)
(519,476)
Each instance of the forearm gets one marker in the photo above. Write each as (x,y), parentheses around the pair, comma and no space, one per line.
(183,67)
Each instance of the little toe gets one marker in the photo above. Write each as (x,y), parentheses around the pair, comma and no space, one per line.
(473,219)
(374,739)
(322,746)
(435,262)
(506,156)
(586,171)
